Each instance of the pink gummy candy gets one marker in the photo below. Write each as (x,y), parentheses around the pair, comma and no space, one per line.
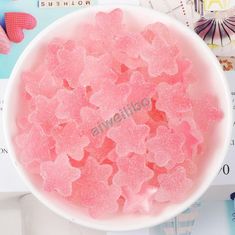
(34,146)
(173,186)
(94,171)
(110,22)
(90,119)
(69,70)
(161,57)
(70,103)
(193,137)
(166,146)
(206,111)
(44,114)
(94,192)
(157,30)
(101,153)
(59,175)
(100,72)
(104,99)
(173,100)
(141,91)
(139,202)
(132,173)
(99,198)
(70,141)
(129,137)
(41,83)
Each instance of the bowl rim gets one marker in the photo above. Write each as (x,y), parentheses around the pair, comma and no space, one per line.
(6,124)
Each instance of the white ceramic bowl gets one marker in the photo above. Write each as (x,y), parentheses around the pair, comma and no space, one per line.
(207,67)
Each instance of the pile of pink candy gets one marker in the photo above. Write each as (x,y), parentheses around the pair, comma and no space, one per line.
(106,119)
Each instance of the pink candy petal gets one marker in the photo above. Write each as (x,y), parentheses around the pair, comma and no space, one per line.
(44,114)
(59,175)
(132,173)
(166,146)
(139,202)
(105,97)
(70,141)
(173,186)
(173,100)
(129,137)
(70,103)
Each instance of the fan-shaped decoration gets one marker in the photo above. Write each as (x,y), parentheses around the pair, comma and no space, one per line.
(216,30)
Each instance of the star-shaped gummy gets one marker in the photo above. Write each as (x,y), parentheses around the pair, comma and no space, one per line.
(70,103)
(70,141)
(132,172)
(166,146)
(110,98)
(93,190)
(59,175)
(158,30)
(34,146)
(206,111)
(71,64)
(173,186)
(101,72)
(173,100)
(44,113)
(41,83)
(193,136)
(139,202)
(89,125)
(184,75)
(101,153)
(141,90)
(160,57)
(111,22)
(99,198)
(129,137)
(94,171)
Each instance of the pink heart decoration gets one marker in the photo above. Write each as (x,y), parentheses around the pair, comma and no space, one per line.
(16,22)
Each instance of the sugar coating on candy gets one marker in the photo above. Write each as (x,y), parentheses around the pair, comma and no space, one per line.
(173,186)
(158,29)
(112,119)
(101,153)
(141,90)
(158,64)
(129,137)
(90,119)
(166,146)
(139,202)
(132,173)
(44,114)
(70,103)
(100,72)
(206,111)
(36,84)
(69,140)
(173,100)
(93,191)
(94,171)
(109,92)
(59,175)
(110,22)
(193,136)
(99,198)
(68,69)
(34,146)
